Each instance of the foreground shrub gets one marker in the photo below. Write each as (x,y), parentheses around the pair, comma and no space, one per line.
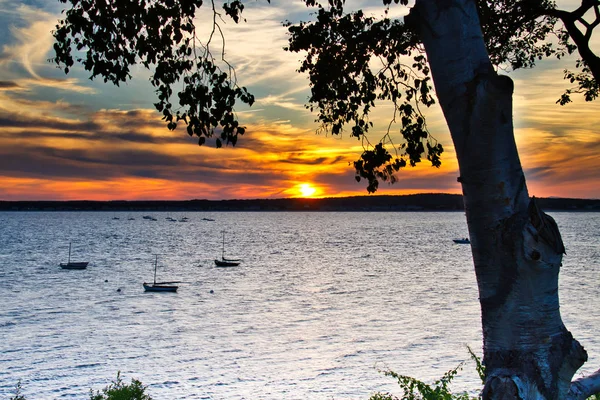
(18,395)
(414,389)
(117,390)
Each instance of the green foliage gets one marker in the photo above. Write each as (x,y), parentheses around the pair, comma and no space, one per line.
(414,389)
(479,367)
(117,390)
(382,396)
(18,395)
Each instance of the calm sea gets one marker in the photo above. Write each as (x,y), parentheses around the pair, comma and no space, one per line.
(321,303)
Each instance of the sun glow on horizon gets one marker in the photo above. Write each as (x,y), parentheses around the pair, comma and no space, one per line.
(306,190)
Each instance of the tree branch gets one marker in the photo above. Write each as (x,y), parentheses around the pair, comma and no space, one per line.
(584,8)
(585,387)
(582,41)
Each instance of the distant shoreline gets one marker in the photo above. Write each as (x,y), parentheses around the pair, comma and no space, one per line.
(416,202)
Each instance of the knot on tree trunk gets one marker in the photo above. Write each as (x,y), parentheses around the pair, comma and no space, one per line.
(546,227)
(542,243)
(506,386)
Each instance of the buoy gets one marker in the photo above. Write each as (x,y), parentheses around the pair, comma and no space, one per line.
(119,289)
(211,291)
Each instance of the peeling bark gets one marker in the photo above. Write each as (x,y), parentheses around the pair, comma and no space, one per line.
(517,249)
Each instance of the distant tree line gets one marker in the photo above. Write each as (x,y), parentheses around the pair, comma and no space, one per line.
(417,202)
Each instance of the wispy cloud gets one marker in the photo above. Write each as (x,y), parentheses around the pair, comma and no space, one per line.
(282,101)
(26,58)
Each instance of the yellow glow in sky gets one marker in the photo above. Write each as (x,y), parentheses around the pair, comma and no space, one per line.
(306,190)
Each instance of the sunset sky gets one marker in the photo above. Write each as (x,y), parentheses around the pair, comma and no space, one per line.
(64,137)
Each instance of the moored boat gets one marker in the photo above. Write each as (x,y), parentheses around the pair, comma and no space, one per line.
(159,286)
(73,264)
(462,241)
(226,262)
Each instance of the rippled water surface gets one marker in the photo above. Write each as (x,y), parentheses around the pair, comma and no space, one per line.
(321,302)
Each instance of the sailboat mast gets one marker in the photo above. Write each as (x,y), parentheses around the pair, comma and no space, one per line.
(69,261)
(223,252)
(155,263)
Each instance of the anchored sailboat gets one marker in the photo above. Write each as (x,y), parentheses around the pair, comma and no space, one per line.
(226,262)
(159,286)
(73,264)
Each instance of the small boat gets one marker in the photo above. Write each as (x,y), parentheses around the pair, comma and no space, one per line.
(462,241)
(226,262)
(207,219)
(73,264)
(183,219)
(159,286)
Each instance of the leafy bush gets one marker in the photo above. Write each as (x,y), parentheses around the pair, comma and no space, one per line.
(414,389)
(117,390)
(18,395)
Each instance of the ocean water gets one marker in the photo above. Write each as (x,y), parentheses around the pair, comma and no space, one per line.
(320,305)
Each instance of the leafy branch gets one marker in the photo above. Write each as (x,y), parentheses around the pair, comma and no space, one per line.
(341,50)
(110,38)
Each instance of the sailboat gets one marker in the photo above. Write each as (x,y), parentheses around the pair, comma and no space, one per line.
(159,286)
(226,262)
(73,264)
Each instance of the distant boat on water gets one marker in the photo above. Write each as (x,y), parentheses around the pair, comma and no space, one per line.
(226,262)
(462,241)
(73,264)
(159,286)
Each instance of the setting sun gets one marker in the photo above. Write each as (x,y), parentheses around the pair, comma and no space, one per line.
(306,190)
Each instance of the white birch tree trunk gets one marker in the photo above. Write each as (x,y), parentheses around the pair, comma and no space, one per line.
(517,250)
